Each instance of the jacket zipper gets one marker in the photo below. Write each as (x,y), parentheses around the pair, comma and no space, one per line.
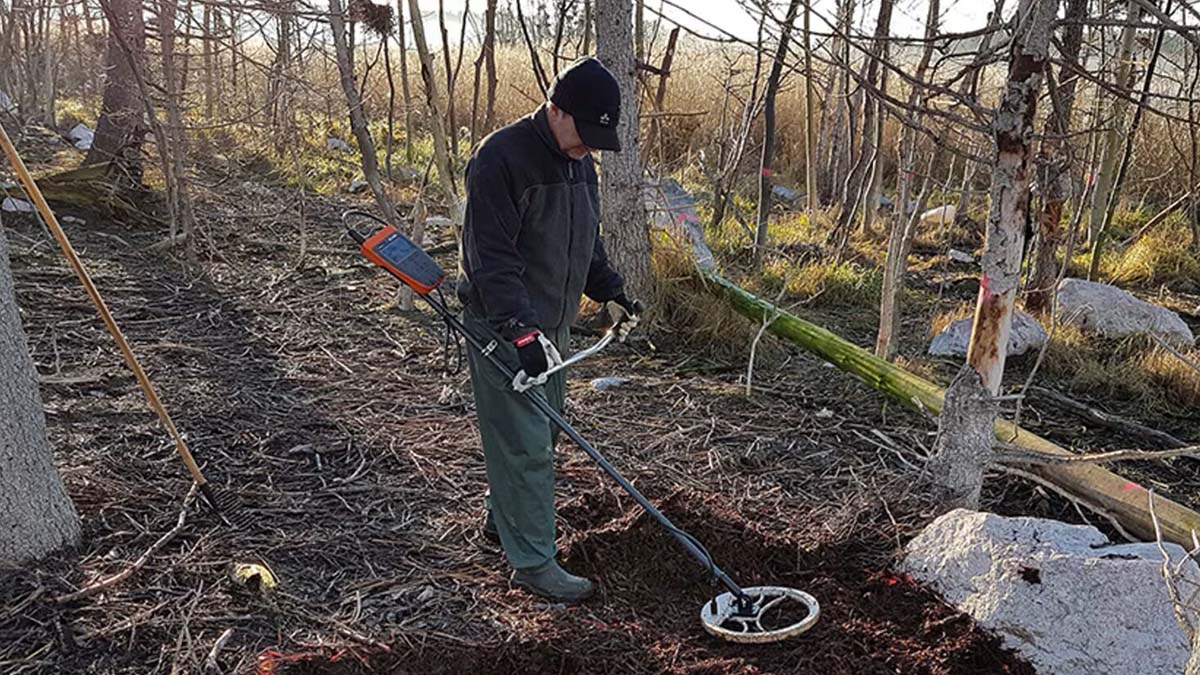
(562,312)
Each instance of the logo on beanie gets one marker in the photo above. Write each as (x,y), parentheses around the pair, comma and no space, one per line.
(604,119)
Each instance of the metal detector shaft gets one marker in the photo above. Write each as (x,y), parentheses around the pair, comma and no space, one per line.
(543,405)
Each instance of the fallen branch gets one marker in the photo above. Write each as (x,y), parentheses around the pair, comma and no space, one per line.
(1109,420)
(105,584)
(1158,218)
(1167,346)
(1019,455)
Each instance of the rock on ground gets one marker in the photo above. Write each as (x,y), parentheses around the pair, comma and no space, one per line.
(673,209)
(1106,310)
(1027,335)
(81,136)
(357,185)
(1060,595)
(14,205)
(334,143)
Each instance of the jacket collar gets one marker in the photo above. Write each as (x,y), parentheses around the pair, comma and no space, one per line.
(541,124)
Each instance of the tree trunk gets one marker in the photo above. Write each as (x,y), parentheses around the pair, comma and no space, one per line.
(834,123)
(969,90)
(404,88)
(210,92)
(854,182)
(963,420)
(451,122)
(121,125)
(768,149)
(810,120)
(358,119)
(36,516)
(181,208)
(441,146)
(622,208)
(660,95)
(1193,664)
(1127,152)
(486,59)
(1116,131)
(1057,176)
(903,224)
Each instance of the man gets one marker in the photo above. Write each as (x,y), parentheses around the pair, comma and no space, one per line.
(530,249)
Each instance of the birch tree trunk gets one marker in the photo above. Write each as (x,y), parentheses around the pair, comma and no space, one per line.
(956,470)
(183,219)
(358,119)
(1057,177)
(36,516)
(121,125)
(768,149)
(622,210)
(1127,142)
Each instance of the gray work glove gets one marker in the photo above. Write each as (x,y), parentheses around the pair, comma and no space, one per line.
(625,314)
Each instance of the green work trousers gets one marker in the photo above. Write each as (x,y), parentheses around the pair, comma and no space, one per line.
(518,447)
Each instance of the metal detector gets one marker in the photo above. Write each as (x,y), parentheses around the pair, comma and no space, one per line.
(748,615)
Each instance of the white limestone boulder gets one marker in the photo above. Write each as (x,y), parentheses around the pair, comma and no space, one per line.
(1108,311)
(1027,336)
(1060,595)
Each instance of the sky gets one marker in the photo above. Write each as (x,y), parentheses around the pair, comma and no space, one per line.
(908,18)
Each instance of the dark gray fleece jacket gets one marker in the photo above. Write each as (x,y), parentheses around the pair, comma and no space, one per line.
(531,242)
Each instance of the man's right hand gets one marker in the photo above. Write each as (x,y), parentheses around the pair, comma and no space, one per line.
(537,354)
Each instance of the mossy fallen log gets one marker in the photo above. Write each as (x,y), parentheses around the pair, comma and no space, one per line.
(1124,500)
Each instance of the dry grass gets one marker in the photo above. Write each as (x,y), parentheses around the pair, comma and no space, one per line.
(1160,258)
(1136,370)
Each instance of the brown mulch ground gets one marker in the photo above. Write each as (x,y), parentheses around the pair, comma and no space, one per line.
(332,423)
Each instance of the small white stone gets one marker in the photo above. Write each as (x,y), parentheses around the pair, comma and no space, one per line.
(357,185)
(607,383)
(13,205)
(960,256)
(334,143)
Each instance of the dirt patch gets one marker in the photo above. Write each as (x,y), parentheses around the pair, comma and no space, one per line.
(645,617)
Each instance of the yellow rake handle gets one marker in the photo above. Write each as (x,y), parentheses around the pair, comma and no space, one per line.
(43,208)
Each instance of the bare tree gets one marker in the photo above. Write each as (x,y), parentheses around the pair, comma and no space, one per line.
(1056,175)
(486,60)
(855,181)
(358,118)
(903,224)
(404,86)
(768,148)
(441,144)
(965,440)
(622,208)
(36,516)
(121,125)
(1116,129)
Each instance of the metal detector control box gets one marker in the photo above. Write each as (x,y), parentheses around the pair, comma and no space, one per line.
(396,253)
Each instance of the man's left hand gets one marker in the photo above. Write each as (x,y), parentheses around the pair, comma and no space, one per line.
(625,313)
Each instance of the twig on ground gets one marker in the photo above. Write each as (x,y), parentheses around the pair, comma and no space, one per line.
(105,584)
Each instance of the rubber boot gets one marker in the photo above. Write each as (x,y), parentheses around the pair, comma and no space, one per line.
(553,583)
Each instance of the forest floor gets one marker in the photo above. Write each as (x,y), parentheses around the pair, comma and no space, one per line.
(331,420)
